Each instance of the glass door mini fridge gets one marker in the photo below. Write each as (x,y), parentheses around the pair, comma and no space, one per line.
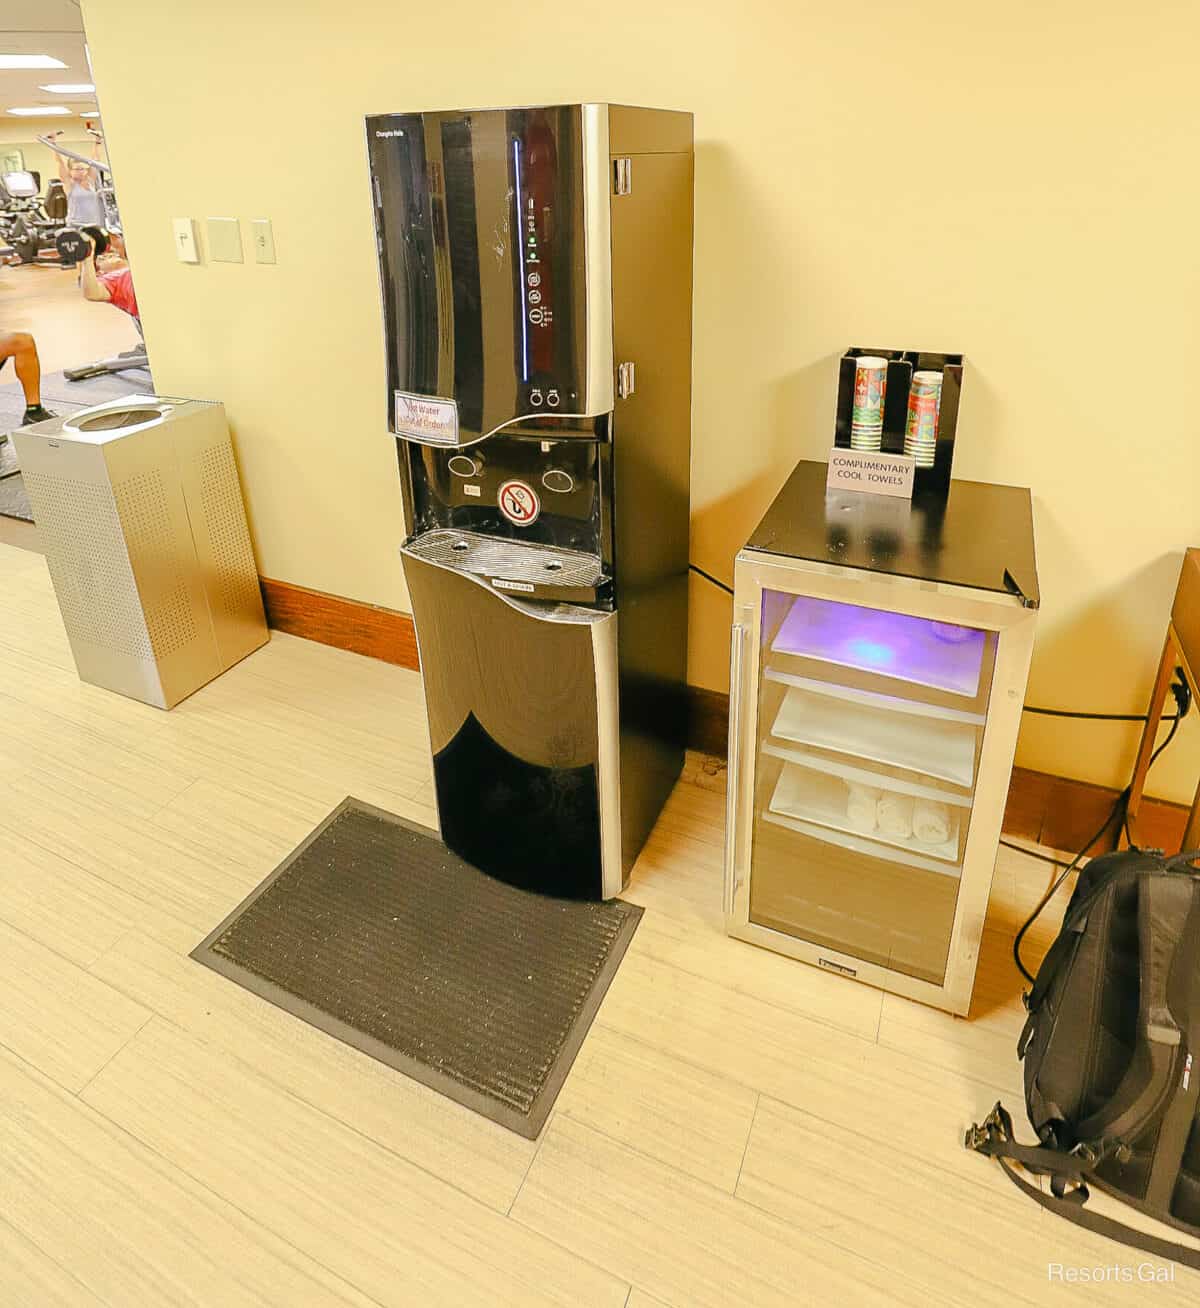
(878,665)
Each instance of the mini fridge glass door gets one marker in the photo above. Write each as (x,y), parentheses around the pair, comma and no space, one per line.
(870,757)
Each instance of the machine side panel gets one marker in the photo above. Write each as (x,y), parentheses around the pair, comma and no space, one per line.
(634,130)
(652,328)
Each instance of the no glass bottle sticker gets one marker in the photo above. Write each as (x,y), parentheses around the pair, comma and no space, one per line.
(519,503)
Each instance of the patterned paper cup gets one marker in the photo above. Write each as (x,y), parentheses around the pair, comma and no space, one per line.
(870,386)
(924,407)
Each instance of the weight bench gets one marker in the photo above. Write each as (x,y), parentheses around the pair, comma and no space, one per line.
(124,362)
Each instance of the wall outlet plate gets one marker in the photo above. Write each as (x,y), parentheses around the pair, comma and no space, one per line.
(186,249)
(263,240)
(225,240)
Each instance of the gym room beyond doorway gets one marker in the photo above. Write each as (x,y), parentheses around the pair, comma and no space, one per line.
(70,333)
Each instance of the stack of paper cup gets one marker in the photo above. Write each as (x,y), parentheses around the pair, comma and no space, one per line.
(870,385)
(924,408)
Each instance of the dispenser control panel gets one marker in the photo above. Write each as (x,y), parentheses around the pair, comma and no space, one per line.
(536,188)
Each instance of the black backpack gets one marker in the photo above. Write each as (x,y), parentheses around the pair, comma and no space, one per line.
(1113,1027)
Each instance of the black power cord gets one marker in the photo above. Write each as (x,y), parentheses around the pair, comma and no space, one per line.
(1120,807)
(720,585)
(1179,688)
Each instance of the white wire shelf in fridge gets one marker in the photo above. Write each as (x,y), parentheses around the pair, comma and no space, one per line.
(808,758)
(927,745)
(820,799)
(916,650)
(876,699)
(861,845)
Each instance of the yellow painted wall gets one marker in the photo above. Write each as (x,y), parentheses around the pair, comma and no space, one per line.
(1017,182)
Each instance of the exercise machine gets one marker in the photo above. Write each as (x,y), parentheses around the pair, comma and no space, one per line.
(26,225)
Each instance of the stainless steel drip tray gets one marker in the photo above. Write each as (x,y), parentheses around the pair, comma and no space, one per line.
(524,568)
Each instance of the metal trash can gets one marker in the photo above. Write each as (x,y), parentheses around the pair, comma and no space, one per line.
(139,510)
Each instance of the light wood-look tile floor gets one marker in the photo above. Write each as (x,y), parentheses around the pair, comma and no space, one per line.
(739,1129)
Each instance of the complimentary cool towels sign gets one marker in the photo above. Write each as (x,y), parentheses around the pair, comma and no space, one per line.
(878,474)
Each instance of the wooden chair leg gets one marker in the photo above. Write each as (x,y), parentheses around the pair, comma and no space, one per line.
(1191,835)
(1158,697)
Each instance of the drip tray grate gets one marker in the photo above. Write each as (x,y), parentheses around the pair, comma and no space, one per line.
(492,556)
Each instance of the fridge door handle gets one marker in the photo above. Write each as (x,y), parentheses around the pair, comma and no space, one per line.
(733,766)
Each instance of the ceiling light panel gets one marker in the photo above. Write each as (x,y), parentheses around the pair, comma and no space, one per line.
(29,61)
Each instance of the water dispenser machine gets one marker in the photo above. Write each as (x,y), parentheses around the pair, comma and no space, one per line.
(536,274)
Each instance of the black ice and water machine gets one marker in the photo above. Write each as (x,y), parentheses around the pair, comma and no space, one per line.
(536,277)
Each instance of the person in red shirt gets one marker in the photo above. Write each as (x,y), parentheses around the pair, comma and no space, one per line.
(115,284)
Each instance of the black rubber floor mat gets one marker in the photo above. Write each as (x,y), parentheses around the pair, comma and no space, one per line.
(373,931)
(14,502)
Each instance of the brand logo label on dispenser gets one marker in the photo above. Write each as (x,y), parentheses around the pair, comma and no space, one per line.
(519,503)
(425,419)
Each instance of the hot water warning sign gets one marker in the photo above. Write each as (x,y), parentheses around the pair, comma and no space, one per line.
(519,503)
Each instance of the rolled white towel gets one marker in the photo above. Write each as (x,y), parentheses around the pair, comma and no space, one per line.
(931,822)
(895,814)
(861,805)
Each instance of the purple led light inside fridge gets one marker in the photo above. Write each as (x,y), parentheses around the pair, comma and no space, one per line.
(874,640)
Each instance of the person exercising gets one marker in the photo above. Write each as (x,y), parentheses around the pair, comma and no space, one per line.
(81,181)
(115,285)
(22,349)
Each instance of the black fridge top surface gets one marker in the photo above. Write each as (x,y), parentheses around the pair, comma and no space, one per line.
(981,535)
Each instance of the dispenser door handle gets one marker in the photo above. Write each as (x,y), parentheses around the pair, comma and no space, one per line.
(733,767)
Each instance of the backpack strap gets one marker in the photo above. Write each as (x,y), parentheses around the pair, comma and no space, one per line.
(993,1137)
(1071,1205)
(1164,910)
(1072,929)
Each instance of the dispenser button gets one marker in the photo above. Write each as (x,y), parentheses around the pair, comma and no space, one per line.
(552,399)
(535,397)
(558,481)
(462,466)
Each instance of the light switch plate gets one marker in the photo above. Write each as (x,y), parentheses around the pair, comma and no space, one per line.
(263,239)
(186,250)
(225,240)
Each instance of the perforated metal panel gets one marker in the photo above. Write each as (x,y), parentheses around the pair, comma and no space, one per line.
(234,588)
(162,557)
(147,545)
(85,552)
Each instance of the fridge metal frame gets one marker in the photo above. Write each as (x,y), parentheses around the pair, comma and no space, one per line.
(1014,624)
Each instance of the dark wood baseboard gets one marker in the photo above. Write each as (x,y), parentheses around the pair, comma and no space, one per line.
(369,629)
(1057,812)
(1061,813)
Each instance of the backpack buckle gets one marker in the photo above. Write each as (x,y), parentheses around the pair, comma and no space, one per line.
(975,1138)
(996,1127)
